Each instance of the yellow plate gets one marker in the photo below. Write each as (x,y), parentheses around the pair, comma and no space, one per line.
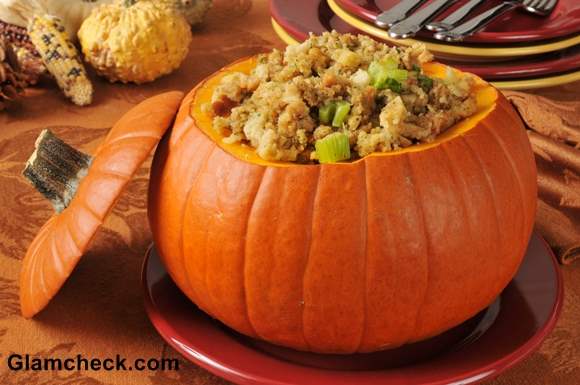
(454,50)
(524,84)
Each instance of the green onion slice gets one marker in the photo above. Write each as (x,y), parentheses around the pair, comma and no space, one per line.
(393,85)
(425,82)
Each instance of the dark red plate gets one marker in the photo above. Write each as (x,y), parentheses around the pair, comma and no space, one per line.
(512,27)
(484,346)
(558,62)
(300,17)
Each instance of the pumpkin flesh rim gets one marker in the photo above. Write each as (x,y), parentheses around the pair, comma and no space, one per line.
(486,97)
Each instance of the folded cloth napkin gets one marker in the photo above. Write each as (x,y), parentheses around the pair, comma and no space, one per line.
(554,132)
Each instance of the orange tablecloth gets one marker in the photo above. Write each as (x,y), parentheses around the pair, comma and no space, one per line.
(99,312)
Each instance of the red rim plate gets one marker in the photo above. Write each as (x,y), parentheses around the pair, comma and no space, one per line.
(512,27)
(303,16)
(507,332)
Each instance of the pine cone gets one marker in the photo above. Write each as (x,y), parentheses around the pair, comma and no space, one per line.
(29,61)
(11,83)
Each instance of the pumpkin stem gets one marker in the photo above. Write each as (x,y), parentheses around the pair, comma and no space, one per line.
(129,3)
(55,169)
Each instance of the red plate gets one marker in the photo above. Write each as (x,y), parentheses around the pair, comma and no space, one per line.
(558,62)
(484,346)
(303,16)
(512,27)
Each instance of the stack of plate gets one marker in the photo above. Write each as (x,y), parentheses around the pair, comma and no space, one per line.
(517,51)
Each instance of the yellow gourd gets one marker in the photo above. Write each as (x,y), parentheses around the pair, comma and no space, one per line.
(193,10)
(70,12)
(135,40)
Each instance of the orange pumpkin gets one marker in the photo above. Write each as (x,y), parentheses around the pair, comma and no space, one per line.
(348,257)
(83,205)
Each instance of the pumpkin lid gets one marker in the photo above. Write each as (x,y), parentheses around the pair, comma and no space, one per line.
(83,189)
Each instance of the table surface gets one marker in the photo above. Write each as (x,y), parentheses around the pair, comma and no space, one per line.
(99,312)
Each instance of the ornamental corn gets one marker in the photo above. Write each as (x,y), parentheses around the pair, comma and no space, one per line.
(15,35)
(61,58)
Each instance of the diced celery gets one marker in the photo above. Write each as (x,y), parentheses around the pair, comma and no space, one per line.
(333,148)
(378,74)
(398,75)
(375,69)
(326,112)
(342,110)
(389,63)
(384,72)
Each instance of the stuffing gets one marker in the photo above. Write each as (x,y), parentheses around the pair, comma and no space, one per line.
(377,96)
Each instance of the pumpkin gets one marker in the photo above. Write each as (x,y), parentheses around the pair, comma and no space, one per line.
(83,190)
(72,13)
(345,257)
(135,40)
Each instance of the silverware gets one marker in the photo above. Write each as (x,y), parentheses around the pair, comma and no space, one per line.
(454,18)
(539,7)
(398,12)
(414,23)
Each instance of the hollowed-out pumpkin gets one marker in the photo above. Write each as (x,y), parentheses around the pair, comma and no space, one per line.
(346,257)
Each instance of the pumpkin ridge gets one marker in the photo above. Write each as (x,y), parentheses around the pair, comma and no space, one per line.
(41,240)
(38,265)
(455,176)
(113,174)
(182,119)
(517,121)
(68,234)
(306,263)
(181,242)
(187,175)
(92,212)
(514,172)
(245,231)
(130,137)
(365,281)
(417,194)
(523,225)
(458,182)
(491,191)
(54,251)
(72,237)
(57,263)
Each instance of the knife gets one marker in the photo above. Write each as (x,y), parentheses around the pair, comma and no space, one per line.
(397,13)
(454,18)
(414,23)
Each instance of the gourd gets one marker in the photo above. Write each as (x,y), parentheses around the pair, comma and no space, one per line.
(193,10)
(344,257)
(71,12)
(135,40)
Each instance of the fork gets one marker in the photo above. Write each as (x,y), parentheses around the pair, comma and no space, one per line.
(538,7)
